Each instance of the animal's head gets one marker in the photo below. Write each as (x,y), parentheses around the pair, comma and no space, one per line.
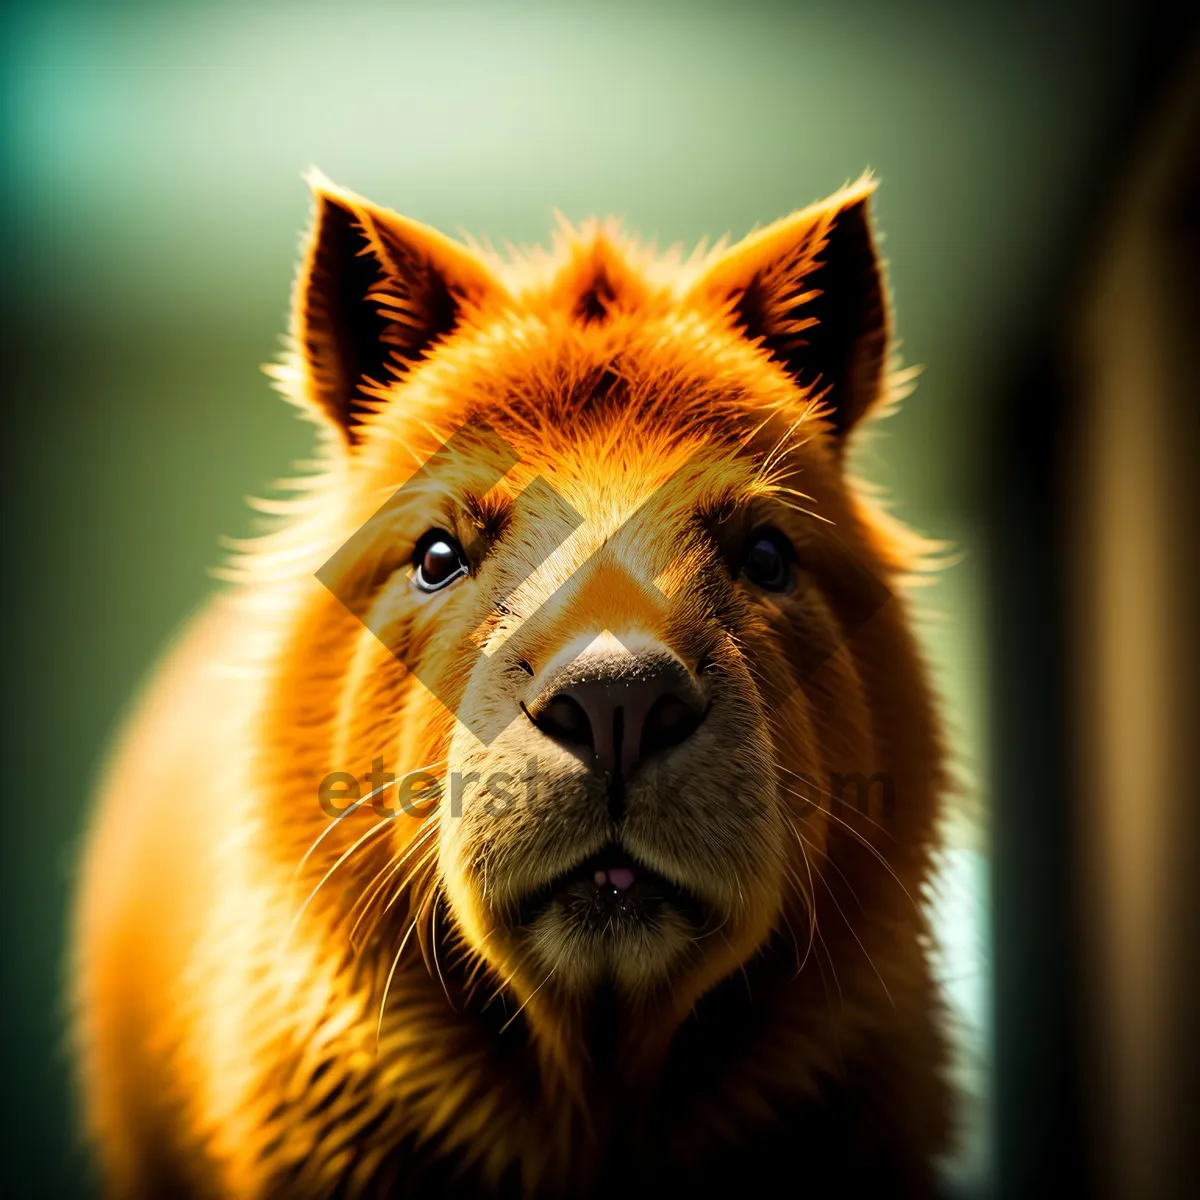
(600,586)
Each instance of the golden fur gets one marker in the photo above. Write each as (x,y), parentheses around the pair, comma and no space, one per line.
(270,1002)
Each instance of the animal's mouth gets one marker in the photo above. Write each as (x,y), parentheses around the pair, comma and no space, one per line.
(609,890)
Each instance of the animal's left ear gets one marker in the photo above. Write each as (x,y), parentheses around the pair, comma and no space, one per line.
(810,290)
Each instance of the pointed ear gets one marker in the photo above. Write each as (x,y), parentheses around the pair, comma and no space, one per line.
(375,292)
(810,289)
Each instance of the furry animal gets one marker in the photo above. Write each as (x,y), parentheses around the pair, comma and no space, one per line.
(544,808)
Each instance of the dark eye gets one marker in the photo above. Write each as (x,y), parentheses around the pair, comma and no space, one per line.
(768,561)
(438,560)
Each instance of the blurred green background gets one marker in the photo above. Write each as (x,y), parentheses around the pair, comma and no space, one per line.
(152,207)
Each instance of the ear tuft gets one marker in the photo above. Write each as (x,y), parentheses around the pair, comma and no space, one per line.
(375,293)
(809,289)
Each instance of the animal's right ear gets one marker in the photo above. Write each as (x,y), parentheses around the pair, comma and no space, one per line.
(376,291)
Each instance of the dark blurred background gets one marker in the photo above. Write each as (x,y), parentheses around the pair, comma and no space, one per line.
(1038,203)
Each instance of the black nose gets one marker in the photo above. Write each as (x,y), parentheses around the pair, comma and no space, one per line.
(615,710)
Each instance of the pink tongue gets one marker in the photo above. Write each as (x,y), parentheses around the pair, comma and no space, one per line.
(621,878)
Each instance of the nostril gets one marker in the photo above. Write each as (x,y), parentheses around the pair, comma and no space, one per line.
(669,722)
(564,720)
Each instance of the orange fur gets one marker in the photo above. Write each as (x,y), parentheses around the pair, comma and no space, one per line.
(269,1002)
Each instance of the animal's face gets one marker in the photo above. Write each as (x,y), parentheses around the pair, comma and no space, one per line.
(615,796)
(607,615)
